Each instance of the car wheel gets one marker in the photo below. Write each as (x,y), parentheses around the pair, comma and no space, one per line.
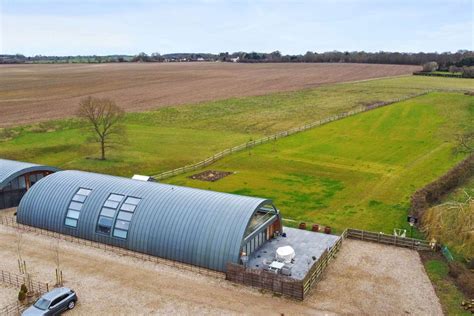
(71,305)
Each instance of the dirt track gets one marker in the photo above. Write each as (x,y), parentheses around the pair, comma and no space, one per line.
(30,93)
(364,279)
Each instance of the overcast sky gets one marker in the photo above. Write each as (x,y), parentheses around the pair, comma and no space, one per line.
(87,27)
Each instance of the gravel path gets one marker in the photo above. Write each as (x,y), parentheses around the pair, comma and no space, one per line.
(373,279)
(364,279)
(8,295)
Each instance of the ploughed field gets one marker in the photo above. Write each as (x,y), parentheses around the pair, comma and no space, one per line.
(171,137)
(32,93)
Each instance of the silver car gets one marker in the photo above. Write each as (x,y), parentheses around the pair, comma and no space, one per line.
(54,302)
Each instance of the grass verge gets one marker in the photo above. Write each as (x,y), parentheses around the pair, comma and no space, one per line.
(449,295)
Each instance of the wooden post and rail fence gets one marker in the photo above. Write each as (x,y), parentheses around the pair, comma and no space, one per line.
(17,280)
(253,143)
(35,289)
(14,309)
(259,278)
(11,222)
(299,289)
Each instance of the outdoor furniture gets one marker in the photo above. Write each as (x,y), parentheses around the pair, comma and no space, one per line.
(285,254)
(286,270)
(276,266)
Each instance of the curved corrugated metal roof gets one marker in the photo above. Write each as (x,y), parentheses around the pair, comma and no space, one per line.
(198,227)
(10,169)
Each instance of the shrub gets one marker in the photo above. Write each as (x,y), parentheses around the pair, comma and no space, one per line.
(21,296)
(423,198)
(451,224)
(23,288)
(454,69)
(430,66)
(468,72)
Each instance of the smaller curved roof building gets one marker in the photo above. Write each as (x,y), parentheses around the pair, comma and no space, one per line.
(198,227)
(17,177)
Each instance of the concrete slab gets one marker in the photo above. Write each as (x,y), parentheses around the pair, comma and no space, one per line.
(308,247)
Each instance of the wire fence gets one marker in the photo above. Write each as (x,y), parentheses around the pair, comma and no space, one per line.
(17,280)
(35,289)
(299,289)
(292,131)
(13,309)
(11,222)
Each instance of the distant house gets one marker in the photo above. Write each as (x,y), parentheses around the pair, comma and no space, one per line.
(16,178)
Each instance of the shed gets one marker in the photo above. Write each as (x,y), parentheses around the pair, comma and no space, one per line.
(16,178)
(198,227)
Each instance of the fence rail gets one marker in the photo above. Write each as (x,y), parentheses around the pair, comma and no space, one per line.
(262,279)
(282,284)
(412,243)
(318,268)
(17,280)
(299,289)
(13,309)
(10,221)
(35,289)
(235,273)
(210,160)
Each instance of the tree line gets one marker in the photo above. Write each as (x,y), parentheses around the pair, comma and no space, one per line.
(461,58)
(444,60)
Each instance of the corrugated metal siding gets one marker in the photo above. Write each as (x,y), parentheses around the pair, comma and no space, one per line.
(198,227)
(10,169)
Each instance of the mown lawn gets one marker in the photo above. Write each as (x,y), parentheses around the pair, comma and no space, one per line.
(358,172)
(175,136)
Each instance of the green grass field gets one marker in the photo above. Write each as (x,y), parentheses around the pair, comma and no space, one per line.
(172,137)
(358,172)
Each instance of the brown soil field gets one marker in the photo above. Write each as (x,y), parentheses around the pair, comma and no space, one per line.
(364,279)
(31,93)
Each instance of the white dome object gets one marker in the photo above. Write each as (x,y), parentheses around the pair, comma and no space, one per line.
(285,254)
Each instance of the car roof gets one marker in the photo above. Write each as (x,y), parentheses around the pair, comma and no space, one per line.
(51,295)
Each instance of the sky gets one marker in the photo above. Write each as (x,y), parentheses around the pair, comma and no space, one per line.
(102,27)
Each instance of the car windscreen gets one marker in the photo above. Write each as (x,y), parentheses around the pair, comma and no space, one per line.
(42,304)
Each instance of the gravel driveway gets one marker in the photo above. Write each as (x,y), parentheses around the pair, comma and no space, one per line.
(365,278)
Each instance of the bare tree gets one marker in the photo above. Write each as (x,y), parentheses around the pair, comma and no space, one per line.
(19,246)
(56,252)
(104,118)
(55,248)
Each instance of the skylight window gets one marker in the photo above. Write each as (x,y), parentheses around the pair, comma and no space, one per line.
(75,207)
(107,214)
(122,224)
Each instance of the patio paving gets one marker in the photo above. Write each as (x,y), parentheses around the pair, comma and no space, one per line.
(308,246)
